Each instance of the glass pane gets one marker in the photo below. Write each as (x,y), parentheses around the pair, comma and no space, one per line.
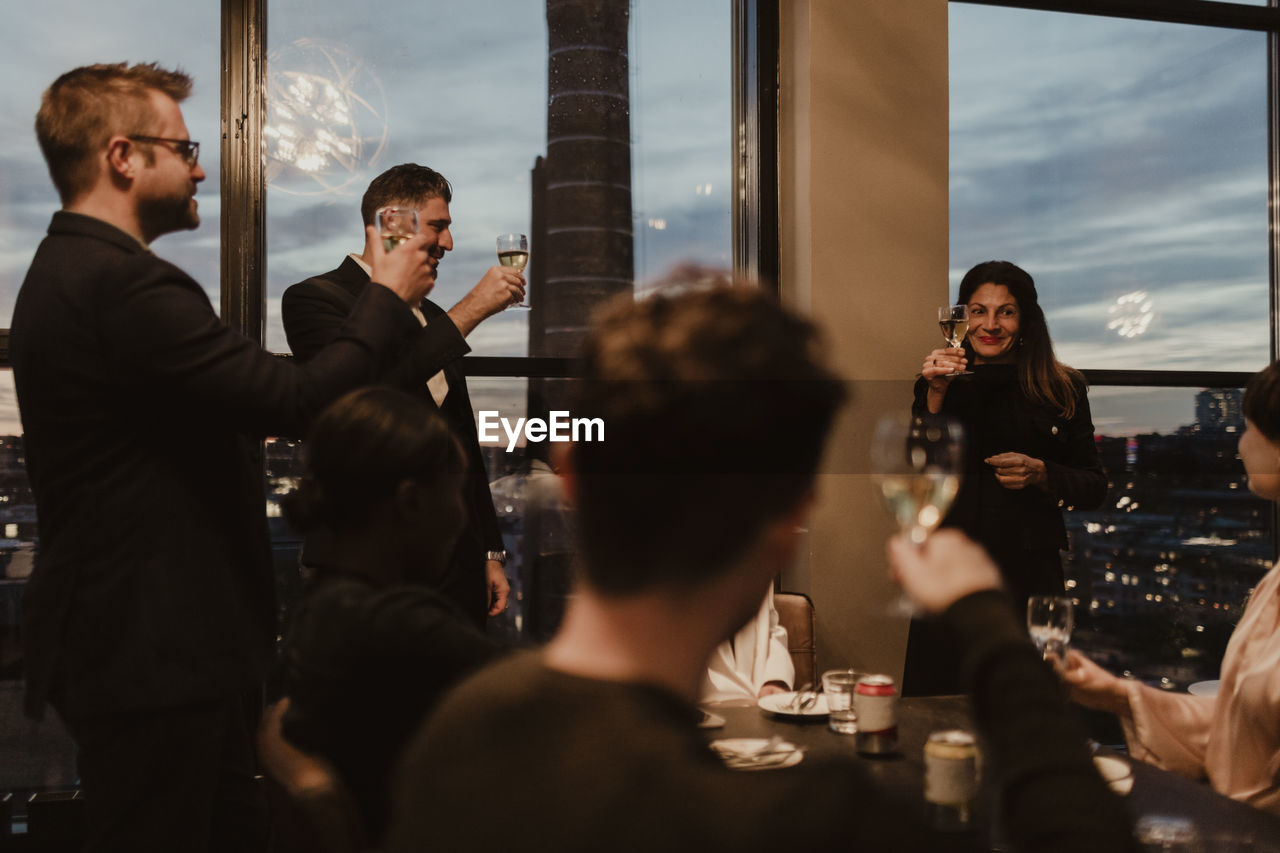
(39,755)
(1161,572)
(635,154)
(102,33)
(525,494)
(1124,165)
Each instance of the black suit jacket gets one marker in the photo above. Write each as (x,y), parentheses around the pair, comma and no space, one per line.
(153,585)
(314,311)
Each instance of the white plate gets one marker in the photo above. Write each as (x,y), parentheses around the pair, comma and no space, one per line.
(1204,688)
(1116,771)
(782,705)
(742,753)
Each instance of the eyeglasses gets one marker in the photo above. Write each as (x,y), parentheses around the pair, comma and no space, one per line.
(184,148)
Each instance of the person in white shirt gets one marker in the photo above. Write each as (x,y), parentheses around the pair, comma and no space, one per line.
(753,663)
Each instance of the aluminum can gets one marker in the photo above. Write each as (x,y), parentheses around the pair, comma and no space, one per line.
(875,704)
(951,778)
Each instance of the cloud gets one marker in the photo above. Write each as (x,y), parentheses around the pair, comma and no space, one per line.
(1103,170)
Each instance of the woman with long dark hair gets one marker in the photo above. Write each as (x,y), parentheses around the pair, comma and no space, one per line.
(1030,445)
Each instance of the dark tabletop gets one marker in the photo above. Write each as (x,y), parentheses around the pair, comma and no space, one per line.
(1155,792)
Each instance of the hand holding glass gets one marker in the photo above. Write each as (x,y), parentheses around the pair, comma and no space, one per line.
(1049,622)
(513,251)
(396,224)
(954,322)
(916,464)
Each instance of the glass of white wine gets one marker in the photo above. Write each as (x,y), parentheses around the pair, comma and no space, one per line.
(396,224)
(513,251)
(916,463)
(1050,619)
(954,322)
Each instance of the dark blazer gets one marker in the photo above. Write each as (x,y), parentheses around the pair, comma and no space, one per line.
(314,311)
(999,418)
(153,583)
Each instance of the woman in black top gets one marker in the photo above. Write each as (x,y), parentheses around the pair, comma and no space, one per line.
(1030,445)
(374,646)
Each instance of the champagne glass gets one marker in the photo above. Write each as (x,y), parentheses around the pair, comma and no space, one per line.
(954,322)
(1050,619)
(513,251)
(396,224)
(916,463)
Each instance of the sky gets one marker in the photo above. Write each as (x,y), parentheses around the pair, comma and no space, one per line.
(446,86)
(1122,163)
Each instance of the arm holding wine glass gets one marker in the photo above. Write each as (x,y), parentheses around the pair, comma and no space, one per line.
(1232,738)
(941,366)
(944,569)
(1033,747)
(497,288)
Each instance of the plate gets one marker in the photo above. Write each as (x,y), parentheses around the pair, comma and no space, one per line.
(1204,688)
(1116,771)
(782,705)
(743,753)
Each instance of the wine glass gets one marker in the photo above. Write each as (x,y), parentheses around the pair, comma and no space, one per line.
(916,463)
(954,322)
(1050,619)
(513,251)
(396,224)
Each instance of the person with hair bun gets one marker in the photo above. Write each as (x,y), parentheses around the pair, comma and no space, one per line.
(1232,739)
(1029,445)
(373,646)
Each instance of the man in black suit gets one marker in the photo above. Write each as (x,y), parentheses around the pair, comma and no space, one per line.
(314,311)
(148,622)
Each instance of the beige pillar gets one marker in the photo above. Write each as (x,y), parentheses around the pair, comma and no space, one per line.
(863,186)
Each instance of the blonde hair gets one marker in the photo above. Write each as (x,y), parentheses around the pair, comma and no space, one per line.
(87,106)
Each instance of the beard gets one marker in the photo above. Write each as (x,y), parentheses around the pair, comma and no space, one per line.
(166,214)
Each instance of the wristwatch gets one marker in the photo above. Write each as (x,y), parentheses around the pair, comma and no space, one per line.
(499,557)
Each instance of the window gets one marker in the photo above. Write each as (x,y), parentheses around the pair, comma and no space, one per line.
(461,87)
(45,757)
(636,145)
(1124,164)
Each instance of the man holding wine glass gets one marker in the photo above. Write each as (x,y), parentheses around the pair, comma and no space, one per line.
(1030,447)
(314,310)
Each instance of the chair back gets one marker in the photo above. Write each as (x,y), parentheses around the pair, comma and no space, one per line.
(796,614)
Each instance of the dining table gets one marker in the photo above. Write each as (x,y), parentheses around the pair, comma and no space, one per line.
(1153,797)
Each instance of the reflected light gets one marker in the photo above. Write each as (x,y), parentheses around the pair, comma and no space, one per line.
(326,117)
(1131,314)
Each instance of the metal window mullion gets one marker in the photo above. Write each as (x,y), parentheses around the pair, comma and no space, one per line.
(243,225)
(1273,219)
(1204,13)
(754,156)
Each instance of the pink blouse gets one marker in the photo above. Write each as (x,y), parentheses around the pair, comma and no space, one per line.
(1233,738)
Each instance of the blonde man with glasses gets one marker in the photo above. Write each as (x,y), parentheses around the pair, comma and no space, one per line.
(149,619)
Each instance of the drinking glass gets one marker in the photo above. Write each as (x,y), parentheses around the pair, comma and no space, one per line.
(837,686)
(954,322)
(396,224)
(513,251)
(916,463)
(1050,619)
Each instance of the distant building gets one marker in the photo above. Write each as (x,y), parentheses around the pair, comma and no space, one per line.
(1218,410)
